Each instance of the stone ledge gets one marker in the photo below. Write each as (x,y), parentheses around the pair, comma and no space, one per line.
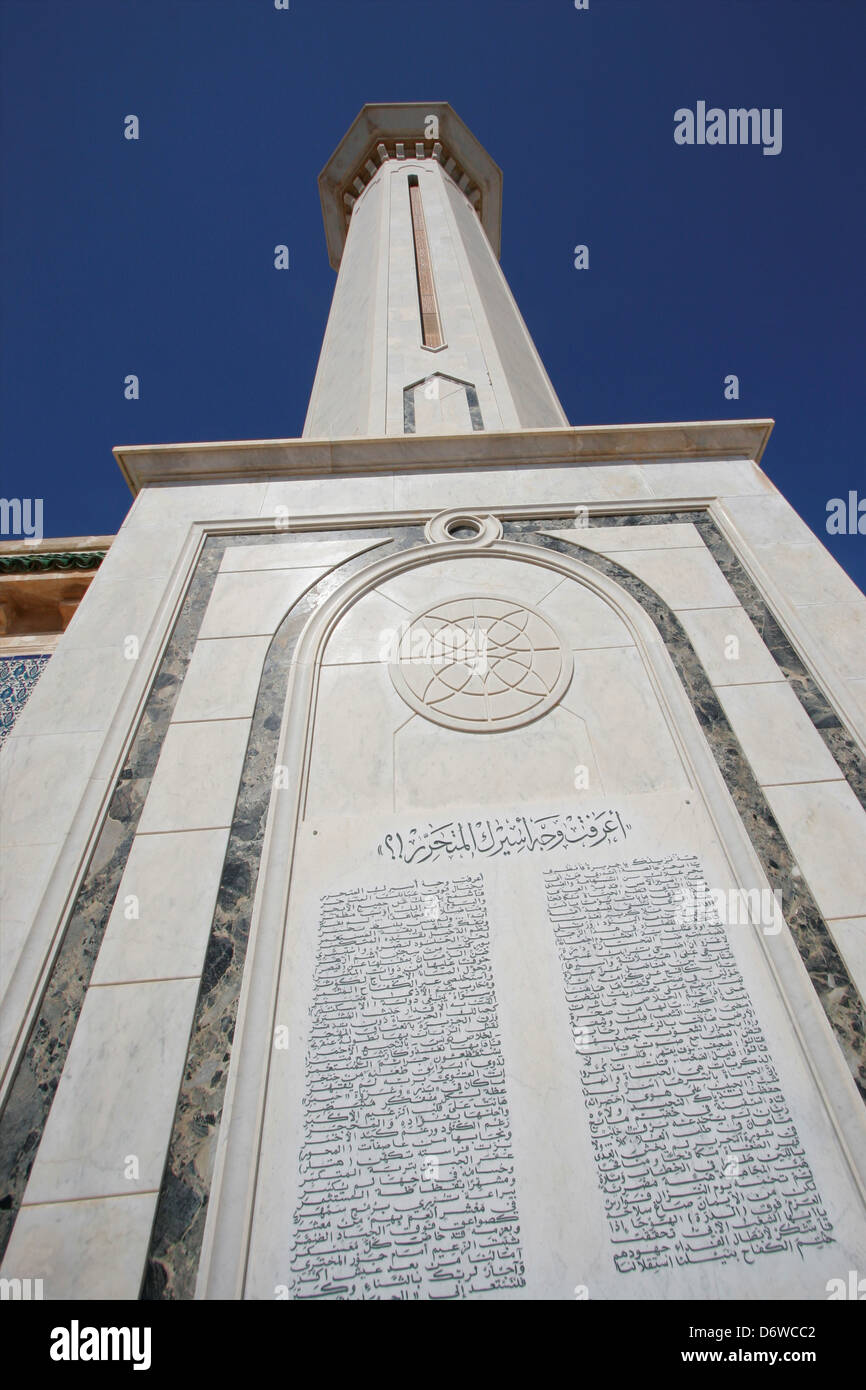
(147,465)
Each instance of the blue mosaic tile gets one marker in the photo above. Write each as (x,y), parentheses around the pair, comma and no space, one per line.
(18,675)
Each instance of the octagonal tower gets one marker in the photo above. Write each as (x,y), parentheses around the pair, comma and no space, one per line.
(424,335)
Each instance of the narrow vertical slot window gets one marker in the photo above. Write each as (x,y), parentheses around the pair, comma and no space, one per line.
(431,324)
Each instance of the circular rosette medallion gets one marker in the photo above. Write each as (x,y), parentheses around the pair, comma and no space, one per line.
(481,664)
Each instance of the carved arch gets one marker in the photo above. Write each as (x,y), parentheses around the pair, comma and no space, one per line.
(231,1209)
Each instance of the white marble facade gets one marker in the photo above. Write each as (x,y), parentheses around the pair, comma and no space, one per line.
(470,985)
(371,765)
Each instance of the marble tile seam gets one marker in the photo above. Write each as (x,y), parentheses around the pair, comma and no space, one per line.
(216,718)
(781,679)
(339,665)
(99,725)
(741,685)
(596,647)
(696,608)
(98,1197)
(181,830)
(548,593)
(143,979)
(30,844)
(686,545)
(602,647)
(856,603)
(809,782)
(272,569)
(729,608)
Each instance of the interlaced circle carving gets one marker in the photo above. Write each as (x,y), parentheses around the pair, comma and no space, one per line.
(481,664)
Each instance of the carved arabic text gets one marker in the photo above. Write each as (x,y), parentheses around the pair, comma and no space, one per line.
(698,1157)
(504,835)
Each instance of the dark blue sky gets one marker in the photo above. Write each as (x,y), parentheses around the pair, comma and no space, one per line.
(156,257)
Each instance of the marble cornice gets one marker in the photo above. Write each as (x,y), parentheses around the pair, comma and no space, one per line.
(147,465)
(384,131)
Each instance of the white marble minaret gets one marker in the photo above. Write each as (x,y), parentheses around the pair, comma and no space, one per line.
(424,335)
(432,858)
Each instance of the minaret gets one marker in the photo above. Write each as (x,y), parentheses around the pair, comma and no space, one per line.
(424,335)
